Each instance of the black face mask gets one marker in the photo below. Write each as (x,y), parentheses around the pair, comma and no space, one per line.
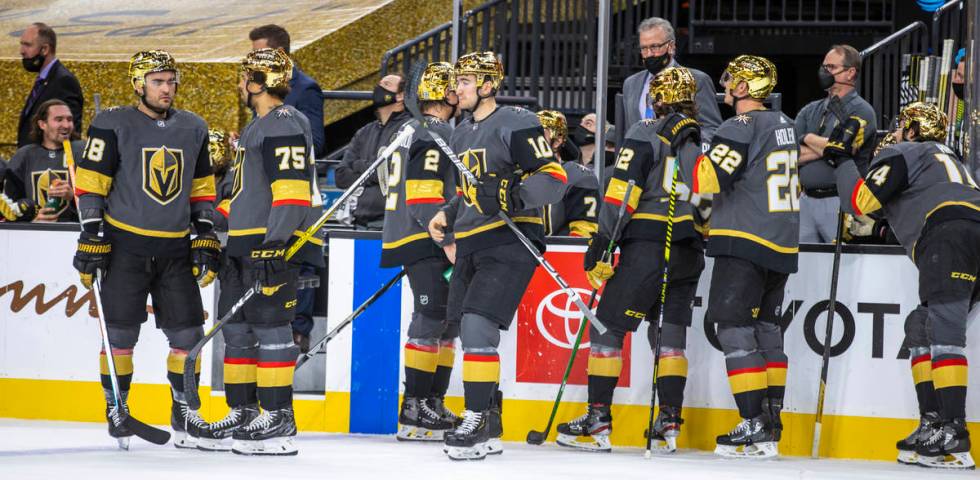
(655,64)
(826,78)
(582,137)
(382,97)
(33,64)
(958,90)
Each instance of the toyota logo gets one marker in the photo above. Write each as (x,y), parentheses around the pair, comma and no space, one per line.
(563,309)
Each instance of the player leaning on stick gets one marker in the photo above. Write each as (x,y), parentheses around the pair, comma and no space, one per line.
(145,180)
(647,157)
(933,205)
(506,149)
(420,180)
(272,202)
(751,170)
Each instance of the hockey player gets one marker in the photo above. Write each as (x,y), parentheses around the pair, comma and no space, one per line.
(420,180)
(576,215)
(144,180)
(751,170)
(506,149)
(37,186)
(646,157)
(272,203)
(933,205)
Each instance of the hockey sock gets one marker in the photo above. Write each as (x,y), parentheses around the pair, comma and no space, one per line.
(239,374)
(672,377)
(605,365)
(175,371)
(481,372)
(776,365)
(123,361)
(276,363)
(421,360)
(444,368)
(921,361)
(747,377)
(949,375)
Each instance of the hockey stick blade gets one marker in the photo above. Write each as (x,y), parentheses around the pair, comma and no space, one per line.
(146,432)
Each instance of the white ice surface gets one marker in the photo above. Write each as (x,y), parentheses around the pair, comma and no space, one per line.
(78,451)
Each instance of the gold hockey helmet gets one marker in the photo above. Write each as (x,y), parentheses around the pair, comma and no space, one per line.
(274,64)
(484,65)
(931,120)
(436,79)
(673,85)
(146,62)
(217,148)
(554,122)
(758,72)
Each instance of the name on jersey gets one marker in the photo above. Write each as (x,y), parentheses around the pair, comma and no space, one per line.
(785,136)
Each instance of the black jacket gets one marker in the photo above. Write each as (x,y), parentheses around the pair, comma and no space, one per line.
(60,84)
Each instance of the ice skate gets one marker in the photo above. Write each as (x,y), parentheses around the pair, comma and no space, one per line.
(906,446)
(271,433)
(469,440)
(665,430)
(117,429)
(418,422)
(751,438)
(438,405)
(588,432)
(217,437)
(187,425)
(948,446)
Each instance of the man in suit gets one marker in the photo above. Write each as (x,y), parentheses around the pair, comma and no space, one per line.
(657,47)
(38,46)
(304,93)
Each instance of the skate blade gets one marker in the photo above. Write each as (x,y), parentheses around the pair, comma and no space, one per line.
(598,443)
(183,440)
(959,461)
(476,452)
(272,446)
(213,445)
(408,433)
(123,442)
(663,446)
(758,451)
(908,457)
(494,446)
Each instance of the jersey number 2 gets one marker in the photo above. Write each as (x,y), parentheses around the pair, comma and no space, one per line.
(783,184)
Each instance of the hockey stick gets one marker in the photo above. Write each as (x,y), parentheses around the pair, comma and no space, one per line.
(535,437)
(828,337)
(411,104)
(303,358)
(140,429)
(672,203)
(190,382)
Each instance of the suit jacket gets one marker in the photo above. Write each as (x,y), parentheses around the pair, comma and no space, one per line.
(307,96)
(60,84)
(708,114)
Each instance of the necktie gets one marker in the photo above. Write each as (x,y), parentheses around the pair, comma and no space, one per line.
(35,92)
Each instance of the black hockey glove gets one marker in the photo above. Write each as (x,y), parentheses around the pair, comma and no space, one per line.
(847,136)
(677,128)
(14,210)
(206,258)
(597,268)
(268,267)
(92,255)
(498,194)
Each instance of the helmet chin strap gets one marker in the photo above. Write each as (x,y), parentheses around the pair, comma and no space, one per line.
(249,96)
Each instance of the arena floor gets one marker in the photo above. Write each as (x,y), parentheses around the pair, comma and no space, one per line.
(77,451)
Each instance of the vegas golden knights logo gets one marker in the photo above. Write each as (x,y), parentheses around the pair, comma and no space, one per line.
(476,162)
(163,169)
(238,171)
(42,182)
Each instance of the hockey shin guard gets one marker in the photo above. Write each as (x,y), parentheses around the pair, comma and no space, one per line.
(672,374)
(949,375)
(925,392)
(444,368)
(481,363)
(746,368)
(770,339)
(122,340)
(605,365)
(181,340)
(276,363)
(421,361)
(241,359)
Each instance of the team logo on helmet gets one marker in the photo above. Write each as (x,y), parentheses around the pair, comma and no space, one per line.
(274,64)
(673,85)
(484,65)
(758,72)
(554,122)
(931,120)
(163,169)
(150,61)
(436,79)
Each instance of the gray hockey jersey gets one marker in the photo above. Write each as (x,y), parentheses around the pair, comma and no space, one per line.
(577,213)
(147,179)
(273,195)
(916,185)
(647,160)
(751,169)
(509,141)
(420,180)
(33,168)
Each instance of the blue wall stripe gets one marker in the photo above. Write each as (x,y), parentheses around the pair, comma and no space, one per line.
(376,349)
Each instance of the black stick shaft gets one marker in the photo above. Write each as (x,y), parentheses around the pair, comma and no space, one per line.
(828,337)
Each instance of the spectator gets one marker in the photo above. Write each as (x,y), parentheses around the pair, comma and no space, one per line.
(819,204)
(37,175)
(657,47)
(304,93)
(389,105)
(38,46)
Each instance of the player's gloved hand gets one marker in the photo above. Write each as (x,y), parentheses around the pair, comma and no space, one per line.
(13,210)
(498,194)
(268,267)
(677,128)
(597,268)
(205,258)
(91,256)
(846,137)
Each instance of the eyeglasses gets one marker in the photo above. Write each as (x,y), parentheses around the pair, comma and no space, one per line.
(659,47)
(834,68)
